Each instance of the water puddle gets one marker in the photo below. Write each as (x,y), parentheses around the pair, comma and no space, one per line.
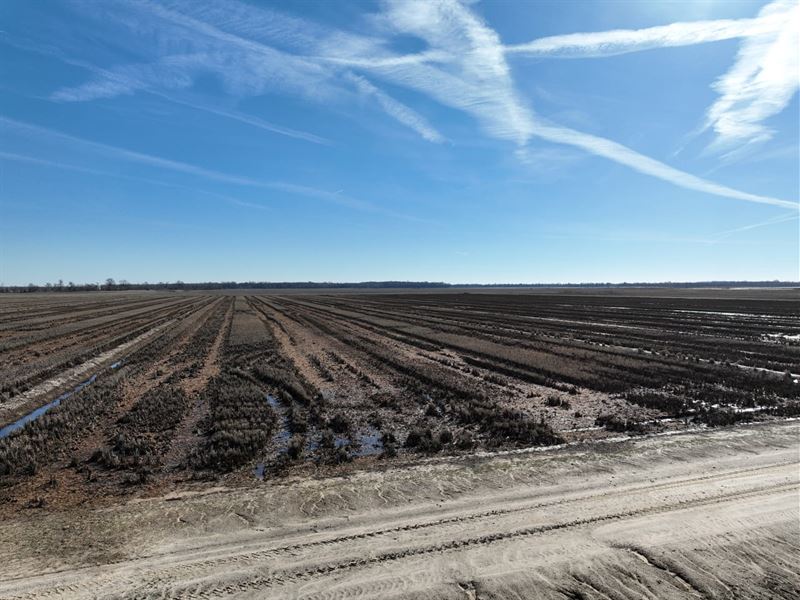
(280,438)
(31,416)
(370,443)
(339,441)
(282,435)
(367,444)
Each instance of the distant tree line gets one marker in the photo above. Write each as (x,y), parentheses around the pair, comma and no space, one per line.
(122,285)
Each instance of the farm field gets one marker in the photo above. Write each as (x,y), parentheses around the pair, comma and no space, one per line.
(111,396)
(459,444)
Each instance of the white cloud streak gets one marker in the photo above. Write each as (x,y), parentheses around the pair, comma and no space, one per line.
(477,80)
(12,156)
(189,169)
(114,83)
(464,67)
(773,221)
(250,120)
(388,61)
(247,66)
(178,48)
(649,166)
(226,42)
(397,110)
(623,41)
(23,158)
(480,83)
(761,83)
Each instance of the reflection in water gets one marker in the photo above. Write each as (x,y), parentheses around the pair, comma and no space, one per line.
(31,416)
(281,436)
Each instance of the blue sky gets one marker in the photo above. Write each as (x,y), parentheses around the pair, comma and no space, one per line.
(348,141)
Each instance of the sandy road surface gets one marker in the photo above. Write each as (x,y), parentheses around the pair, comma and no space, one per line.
(709,515)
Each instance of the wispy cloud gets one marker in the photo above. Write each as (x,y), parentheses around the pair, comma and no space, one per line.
(761,83)
(398,110)
(715,238)
(230,42)
(649,166)
(128,155)
(623,41)
(246,66)
(171,73)
(109,84)
(477,80)
(480,83)
(24,158)
(464,67)
(386,61)
(250,120)
(189,169)
(13,156)
(176,48)
(547,161)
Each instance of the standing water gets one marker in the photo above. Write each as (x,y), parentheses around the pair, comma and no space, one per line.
(281,437)
(20,423)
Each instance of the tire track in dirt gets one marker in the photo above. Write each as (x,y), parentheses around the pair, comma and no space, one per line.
(398,341)
(289,346)
(162,369)
(380,378)
(133,586)
(167,574)
(283,577)
(210,368)
(184,437)
(291,327)
(246,557)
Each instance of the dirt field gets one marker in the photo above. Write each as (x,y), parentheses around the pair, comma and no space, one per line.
(110,396)
(440,444)
(710,514)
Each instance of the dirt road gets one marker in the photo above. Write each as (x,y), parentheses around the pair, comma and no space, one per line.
(708,515)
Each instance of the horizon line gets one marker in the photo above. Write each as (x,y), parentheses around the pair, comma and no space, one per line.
(124,285)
